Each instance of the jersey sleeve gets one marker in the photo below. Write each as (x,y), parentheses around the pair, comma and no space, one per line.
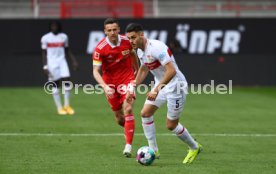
(162,53)
(96,57)
(43,43)
(66,41)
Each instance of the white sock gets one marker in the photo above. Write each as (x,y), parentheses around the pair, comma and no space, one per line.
(66,97)
(184,135)
(150,132)
(57,98)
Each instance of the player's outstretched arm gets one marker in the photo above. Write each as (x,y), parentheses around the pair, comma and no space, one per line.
(72,57)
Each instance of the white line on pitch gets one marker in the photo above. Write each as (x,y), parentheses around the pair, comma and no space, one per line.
(138,134)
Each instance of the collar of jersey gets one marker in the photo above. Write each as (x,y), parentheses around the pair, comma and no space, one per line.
(111,44)
(140,52)
(54,33)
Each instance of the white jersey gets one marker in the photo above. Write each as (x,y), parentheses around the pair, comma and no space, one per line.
(155,57)
(54,45)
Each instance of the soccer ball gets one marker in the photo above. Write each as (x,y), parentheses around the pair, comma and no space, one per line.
(145,156)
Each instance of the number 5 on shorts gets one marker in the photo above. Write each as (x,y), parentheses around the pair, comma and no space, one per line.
(177,104)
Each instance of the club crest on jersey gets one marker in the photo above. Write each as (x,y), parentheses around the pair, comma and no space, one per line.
(125,52)
(149,58)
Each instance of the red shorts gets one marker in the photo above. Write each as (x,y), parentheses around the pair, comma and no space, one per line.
(116,102)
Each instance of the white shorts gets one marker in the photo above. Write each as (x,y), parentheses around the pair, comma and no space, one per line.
(58,70)
(175,102)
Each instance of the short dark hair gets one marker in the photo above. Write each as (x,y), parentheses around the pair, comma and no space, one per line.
(111,21)
(134,27)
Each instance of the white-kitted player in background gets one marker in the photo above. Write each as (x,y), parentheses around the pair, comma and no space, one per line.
(157,58)
(55,49)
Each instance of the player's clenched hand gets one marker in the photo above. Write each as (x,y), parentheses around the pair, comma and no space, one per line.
(152,95)
(130,92)
(109,91)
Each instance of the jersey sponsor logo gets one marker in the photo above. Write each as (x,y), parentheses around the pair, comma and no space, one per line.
(153,65)
(55,44)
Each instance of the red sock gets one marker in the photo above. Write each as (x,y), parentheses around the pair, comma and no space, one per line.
(129,128)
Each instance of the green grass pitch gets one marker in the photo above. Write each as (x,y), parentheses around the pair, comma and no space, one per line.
(238,133)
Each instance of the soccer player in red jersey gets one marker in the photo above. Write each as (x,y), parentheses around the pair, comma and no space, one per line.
(114,64)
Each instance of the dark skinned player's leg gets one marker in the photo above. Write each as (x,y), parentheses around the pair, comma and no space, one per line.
(56,95)
(66,85)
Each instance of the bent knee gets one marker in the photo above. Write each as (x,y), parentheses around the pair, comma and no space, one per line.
(145,113)
(171,127)
(128,109)
(148,110)
(171,124)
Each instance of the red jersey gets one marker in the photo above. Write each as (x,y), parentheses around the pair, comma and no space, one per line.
(115,60)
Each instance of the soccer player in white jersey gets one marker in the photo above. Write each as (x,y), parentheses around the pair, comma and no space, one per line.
(169,87)
(55,49)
